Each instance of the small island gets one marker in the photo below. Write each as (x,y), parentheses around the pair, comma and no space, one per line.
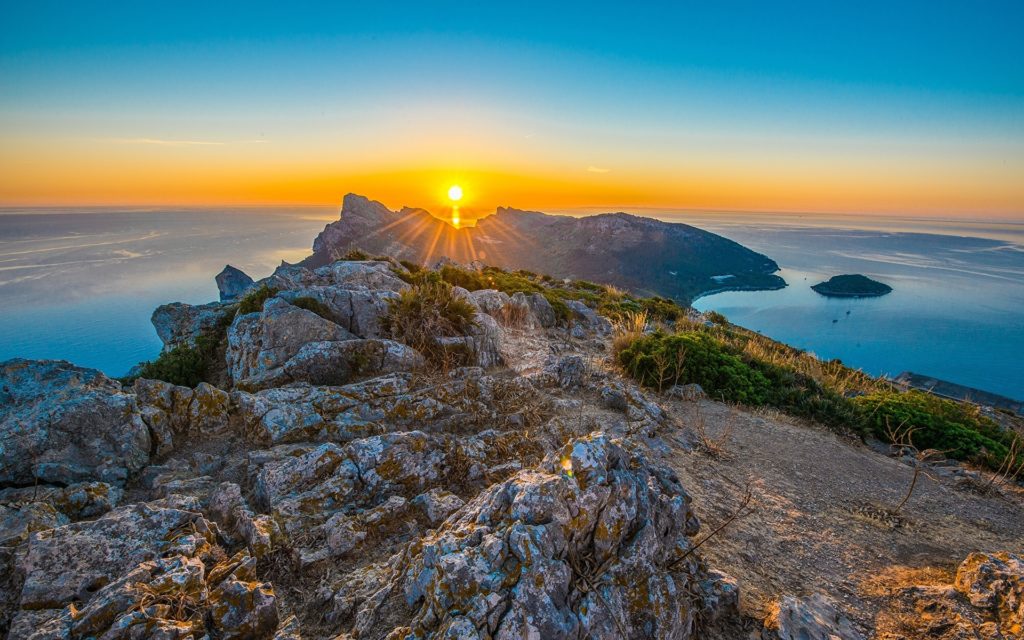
(851,286)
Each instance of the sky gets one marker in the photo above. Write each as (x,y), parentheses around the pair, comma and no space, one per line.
(912,108)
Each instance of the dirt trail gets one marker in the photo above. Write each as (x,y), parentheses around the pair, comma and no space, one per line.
(803,533)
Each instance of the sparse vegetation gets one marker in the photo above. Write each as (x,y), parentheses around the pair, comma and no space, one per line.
(426,312)
(314,305)
(736,365)
(183,365)
(955,428)
(253,301)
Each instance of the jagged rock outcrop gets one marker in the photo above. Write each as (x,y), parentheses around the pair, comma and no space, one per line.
(593,543)
(259,344)
(64,424)
(178,323)
(232,283)
(145,570)
(985,600)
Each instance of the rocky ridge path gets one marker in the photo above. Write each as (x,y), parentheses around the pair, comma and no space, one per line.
(335,487)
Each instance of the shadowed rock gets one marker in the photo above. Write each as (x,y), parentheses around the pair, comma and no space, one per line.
(232,283)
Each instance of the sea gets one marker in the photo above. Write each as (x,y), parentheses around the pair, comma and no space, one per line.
(80,284)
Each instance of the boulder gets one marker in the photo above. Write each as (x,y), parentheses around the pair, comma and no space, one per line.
(363,274)
(568,372)
(483,344)
(150,570)
(591,544)
(64,424)
(68,563)
(359,311)
(687,392)
(542,310)
(490,301)
(178,323)
(586,320)
(260,343)
(995,582)
(811,618)
(335,362)
(233,283)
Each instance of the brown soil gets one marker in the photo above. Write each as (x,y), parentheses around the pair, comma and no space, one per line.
(821,515)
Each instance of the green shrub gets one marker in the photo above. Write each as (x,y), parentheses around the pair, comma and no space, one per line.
(183,365)
(413,267)
(314,305)
(660,360)
(716,318)
(727,373)
(954,428)
(253,301)
(425,312)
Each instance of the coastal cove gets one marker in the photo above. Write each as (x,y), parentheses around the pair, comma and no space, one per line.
(954,312)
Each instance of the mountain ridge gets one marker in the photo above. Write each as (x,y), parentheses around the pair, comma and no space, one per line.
(635,252)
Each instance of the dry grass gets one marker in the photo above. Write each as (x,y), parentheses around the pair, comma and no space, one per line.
(714,446)
(514,316)
(627,329)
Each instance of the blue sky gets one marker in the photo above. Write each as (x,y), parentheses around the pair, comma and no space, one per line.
(692,92)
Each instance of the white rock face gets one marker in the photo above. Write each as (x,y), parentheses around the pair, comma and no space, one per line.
(64,424)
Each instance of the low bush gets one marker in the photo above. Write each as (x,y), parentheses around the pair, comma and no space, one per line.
(183,365)
(716,318)
(954,428)
(253,301)
(660,360)
(425,312)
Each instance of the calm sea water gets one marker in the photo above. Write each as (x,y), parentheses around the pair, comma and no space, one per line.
(956,311)
(81,285)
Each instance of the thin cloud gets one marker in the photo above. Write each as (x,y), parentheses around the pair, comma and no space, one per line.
(593,169)
(182,143)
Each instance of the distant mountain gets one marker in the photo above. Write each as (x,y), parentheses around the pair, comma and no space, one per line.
(640,254)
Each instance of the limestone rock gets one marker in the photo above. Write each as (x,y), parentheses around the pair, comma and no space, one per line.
(178,323)
(233,283)
(542,310)
(811,618)
(437,504)
(567,372)
(687,392)
(64,424)
(490,301)
(995,582)
(588,545)
(67,563)
(335,362)
(259,343)
(359,311)
(303,413)
(586,319)
(482,345)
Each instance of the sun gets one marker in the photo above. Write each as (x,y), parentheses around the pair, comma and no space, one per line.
(455,193)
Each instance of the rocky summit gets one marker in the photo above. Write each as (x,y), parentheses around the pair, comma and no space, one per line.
(494,476)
